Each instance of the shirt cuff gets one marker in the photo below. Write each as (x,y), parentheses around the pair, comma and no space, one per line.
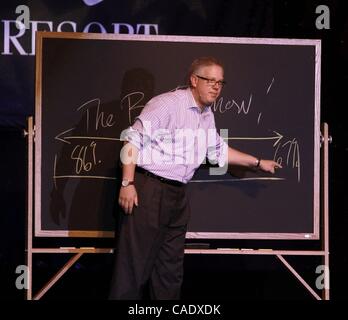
(223,156)
(134,137)
(218,154)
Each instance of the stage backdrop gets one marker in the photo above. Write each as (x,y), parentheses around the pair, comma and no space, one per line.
(90,87)
(166,17)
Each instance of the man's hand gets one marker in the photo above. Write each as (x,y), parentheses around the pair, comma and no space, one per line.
(269,166)
(128,198)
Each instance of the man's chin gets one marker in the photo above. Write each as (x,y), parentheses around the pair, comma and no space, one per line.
(211,100)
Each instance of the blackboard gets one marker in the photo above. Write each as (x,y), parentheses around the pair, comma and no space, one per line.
(90,87)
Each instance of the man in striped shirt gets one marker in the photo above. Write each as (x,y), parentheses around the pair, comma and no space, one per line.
(168,141)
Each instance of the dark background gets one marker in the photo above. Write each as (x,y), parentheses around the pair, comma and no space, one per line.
(206,277)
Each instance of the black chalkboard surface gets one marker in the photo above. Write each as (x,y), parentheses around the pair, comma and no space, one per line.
(90,87)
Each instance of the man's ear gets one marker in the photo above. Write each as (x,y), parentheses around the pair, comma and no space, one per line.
(193,81)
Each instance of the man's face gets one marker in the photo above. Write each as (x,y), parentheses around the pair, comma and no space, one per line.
(207,83)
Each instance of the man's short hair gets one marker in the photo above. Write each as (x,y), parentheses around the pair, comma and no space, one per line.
(202,62)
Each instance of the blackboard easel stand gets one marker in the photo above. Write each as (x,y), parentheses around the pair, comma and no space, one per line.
(30,250)
(78,252)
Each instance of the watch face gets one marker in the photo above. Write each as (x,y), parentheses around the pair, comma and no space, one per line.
(125,183)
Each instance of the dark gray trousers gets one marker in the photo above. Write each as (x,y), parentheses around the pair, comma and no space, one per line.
(150,242)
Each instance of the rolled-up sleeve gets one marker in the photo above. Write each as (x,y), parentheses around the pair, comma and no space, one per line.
(217,148)
(218,151)
(154,116)
(134,135)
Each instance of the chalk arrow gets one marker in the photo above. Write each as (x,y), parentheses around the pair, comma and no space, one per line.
(60,138)
(277,137)
(64,138)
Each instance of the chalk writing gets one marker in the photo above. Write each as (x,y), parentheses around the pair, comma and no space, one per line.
(132,101)
(288,154)
(242,107)
(81,154)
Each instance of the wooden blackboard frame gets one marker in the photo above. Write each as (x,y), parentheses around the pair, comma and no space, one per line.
(39,231)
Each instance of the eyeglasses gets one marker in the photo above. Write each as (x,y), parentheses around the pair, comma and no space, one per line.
(212,82)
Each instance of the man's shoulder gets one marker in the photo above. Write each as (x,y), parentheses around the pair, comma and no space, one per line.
(174,96)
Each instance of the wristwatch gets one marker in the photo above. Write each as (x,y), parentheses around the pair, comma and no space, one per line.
(257,162)
(126,183)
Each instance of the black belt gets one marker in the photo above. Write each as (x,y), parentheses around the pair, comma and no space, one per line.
(164,180)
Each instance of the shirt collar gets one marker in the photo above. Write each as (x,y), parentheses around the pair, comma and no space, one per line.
(191,102)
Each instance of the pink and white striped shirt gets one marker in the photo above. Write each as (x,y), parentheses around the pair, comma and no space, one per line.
(174,136)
